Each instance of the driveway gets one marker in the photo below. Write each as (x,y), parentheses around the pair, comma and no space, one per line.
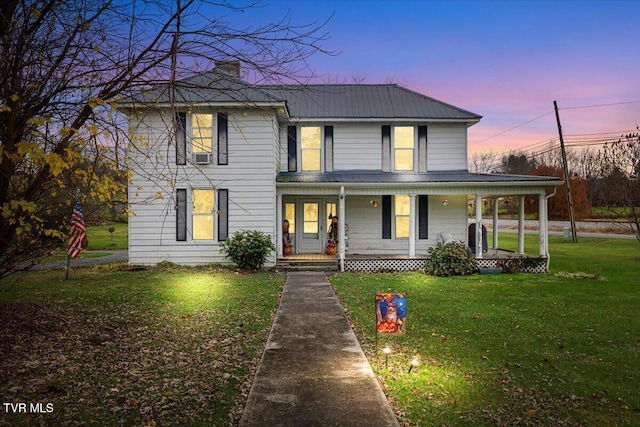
(120,255)
(602,229)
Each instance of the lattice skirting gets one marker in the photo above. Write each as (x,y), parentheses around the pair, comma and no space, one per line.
(384,264)
(525,265)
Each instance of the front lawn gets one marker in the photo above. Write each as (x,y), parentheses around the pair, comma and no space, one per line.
(111,346)
(524,349)
(99,236)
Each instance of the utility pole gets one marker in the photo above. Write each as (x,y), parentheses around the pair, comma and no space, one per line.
(567,180)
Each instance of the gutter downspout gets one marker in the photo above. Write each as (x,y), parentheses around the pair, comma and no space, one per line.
(547,232)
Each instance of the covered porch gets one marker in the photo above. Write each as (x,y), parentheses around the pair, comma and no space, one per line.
(387,221)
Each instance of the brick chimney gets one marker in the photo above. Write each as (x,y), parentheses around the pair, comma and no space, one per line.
(230,68)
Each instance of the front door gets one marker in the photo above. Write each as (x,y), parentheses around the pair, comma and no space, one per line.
(311,238)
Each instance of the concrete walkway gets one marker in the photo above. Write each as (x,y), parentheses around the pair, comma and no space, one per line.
(313,371)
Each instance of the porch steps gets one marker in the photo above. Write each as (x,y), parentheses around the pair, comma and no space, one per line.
(286,265)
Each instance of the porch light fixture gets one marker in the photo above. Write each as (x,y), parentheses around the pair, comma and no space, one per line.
(445,202)
(373,203)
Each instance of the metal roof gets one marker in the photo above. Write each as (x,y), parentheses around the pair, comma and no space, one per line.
(372,177)
(328,101)
(209,87)
(360,101)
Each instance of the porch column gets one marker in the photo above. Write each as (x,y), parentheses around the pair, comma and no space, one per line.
(341,230)
(278,225)
(542,224)
(495,223)
(412,226)
(521,225)
(478,226)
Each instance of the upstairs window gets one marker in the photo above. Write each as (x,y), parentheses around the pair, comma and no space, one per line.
(310,148)
(202,133)
(403,148)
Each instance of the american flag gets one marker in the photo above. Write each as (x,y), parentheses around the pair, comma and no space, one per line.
(78,232)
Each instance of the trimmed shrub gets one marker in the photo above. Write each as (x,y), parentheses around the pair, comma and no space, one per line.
(451,259)
(248,249)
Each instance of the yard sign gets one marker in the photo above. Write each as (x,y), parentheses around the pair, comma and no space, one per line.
(391,312)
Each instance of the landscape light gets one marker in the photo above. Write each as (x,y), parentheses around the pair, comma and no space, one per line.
(386,352)
(414,362)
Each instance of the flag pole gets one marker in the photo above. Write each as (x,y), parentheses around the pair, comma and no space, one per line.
(77,223)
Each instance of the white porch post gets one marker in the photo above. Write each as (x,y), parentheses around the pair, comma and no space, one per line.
(278,225)
(521,225)
(412,226)
(542,224)
(341,231)
(478,226)
(495,223)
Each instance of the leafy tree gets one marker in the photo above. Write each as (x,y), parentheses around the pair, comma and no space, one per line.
(559,204)
(518,164)
(65,64)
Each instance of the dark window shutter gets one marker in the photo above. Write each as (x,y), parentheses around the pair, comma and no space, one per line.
(386,217)
(423,217)
(386,148)
(292,148)
(328,148)
(223,214)
(181,138)
(422,148)
(181,215)
(223,142)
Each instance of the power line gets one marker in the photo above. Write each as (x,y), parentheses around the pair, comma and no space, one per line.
(600,105)
(619,132)
(516,127)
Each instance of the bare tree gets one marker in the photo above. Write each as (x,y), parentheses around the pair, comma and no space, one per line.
(620,173)
(585,163)
(65,63)
(484,162)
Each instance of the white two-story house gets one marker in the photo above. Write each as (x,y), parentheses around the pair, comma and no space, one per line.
(213,154)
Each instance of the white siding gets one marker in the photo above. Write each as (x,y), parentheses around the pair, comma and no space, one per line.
(249,178)
(358,146)
(449,219)
(446,146)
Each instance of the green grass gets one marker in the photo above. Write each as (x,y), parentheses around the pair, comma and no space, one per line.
(523,349)
(110,346)
(101,241)
(100,238)
(608,212)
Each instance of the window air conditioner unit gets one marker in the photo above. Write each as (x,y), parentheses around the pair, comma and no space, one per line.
(202,158)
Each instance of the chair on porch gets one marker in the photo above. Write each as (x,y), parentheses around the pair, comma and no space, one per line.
(472,238)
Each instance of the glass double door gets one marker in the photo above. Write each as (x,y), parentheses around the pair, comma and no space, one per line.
(313,218)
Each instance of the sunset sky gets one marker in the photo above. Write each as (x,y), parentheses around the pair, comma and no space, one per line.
(505,60)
